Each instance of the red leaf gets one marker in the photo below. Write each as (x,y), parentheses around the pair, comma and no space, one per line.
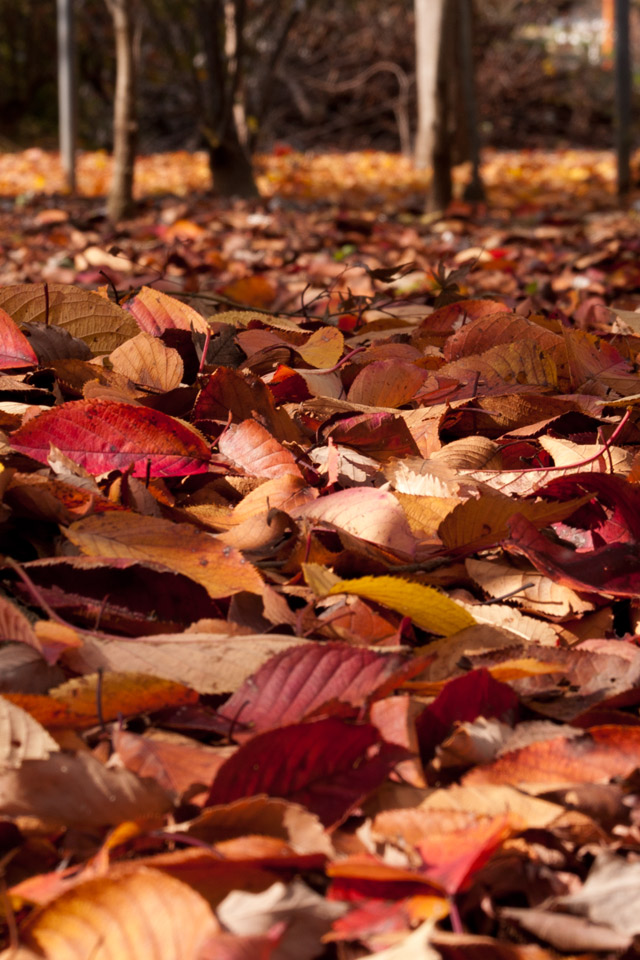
(613,570)
(15,349)
(295,683)
(102,435)
(452,857)
(381,435)
(476,694)
(614,514)
(324,765)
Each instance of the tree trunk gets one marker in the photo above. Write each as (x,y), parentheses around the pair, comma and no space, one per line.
(428,24)
(474,191)
(447,116)
(67,91)
(125,127)
(221,27)
(445,112)
(623,96)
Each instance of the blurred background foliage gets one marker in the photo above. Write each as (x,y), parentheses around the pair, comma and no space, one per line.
(345,80)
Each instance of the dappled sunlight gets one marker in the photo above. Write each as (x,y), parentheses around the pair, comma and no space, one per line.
(512,178)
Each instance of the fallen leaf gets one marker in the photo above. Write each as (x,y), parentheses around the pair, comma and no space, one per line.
(297,682)
(155,312)
(15,349)
(142,913)
(147,362)
(82,313)
(219,568)
(428,608)
(326,765)
(103,435)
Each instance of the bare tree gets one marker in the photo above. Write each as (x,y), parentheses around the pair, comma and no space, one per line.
(125,126)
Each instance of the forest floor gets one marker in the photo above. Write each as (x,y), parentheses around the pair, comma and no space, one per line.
(319,616)
(545,213)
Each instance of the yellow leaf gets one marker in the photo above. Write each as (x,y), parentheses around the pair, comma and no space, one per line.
(428,608)
(484,522)
(323,348)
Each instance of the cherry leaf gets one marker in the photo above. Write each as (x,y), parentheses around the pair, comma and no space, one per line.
(325,765)
(102,435)
(294,683)
(144,913)
(15,349)
(156,312)
(222,570)
(82,313)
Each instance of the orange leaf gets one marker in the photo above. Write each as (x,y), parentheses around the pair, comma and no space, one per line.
(114,694)
(144,913)
(254,291)
(250,446)
(156,312)
(386,383)
(219,568)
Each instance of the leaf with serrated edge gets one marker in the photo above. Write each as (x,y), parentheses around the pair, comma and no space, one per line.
(103,435)
(220,569)
(147,362)
(206,663)
(82,313)
(156,312)
(15,349)
(136,913)
(428,608)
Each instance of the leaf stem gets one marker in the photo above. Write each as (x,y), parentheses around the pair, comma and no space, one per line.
(582,463)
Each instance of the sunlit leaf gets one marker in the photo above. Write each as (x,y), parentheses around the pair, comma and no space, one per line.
(82,313)
(102,435)
(141,913)
(219,568)
(428,608)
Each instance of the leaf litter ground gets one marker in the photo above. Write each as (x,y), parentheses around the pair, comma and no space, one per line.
(320,564)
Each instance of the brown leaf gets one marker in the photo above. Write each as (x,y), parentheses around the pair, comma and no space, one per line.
(147,362)
(77,791)
(202,661)
(261,816)
(219,568)
(82,313)
(386,383)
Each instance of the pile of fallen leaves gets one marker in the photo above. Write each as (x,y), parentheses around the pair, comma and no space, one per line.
(319,585)
(319,630)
